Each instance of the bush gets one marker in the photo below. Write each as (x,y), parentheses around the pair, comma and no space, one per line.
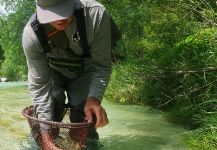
(186,78)
(125,83)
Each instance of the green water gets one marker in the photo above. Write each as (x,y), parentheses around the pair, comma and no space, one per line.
(131,127)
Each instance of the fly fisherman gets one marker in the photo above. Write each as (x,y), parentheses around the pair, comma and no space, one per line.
(60,60)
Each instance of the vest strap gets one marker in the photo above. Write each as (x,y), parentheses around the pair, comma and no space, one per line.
(40,33)
(79,14)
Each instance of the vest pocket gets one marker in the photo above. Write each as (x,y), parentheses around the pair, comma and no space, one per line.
(74,66)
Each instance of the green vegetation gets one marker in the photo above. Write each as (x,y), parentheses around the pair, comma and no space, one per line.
(12,24)
(170,60)
(171,63)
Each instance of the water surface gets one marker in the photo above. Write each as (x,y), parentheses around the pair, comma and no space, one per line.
(131,127)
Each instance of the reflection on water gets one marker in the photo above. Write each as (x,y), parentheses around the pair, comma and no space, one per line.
(131,127)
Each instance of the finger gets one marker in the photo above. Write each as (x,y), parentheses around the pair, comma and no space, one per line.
(99,117)
(105,118)
(88,114)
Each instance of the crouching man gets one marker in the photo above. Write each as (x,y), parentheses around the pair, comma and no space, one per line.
(67,44)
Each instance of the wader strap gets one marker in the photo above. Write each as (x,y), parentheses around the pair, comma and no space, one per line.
(40,33)
(79,14)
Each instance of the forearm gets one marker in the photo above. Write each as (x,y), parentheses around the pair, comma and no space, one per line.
(99,82)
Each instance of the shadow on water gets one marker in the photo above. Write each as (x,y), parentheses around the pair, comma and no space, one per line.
(134,143)
(137,143)
(131,127)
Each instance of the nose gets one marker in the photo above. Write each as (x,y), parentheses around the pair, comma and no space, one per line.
(61,21)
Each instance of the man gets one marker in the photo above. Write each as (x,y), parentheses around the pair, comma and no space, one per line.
(65,69)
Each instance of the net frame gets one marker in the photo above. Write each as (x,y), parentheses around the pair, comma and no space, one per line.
(77,131)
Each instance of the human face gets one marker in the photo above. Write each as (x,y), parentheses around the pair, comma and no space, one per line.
(61,24)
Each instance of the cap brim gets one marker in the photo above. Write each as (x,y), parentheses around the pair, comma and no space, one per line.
(54,13)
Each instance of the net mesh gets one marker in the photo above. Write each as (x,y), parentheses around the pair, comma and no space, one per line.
(64,136)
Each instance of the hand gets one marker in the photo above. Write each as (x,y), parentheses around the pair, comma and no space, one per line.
(93,107)
(46,142)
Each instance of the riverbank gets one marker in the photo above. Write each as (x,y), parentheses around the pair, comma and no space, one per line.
(133,83)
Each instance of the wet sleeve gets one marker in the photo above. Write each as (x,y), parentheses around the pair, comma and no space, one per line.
(39,77)
(101,57)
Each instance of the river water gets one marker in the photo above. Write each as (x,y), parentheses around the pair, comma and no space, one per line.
(131,127)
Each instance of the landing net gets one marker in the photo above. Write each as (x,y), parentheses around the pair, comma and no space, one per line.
(65,136)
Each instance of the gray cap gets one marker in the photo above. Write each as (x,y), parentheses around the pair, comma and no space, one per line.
(52,10)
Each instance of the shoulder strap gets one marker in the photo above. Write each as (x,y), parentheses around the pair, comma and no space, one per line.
(40,33)
(79,14)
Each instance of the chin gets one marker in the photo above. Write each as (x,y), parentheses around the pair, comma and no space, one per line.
(60,29)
